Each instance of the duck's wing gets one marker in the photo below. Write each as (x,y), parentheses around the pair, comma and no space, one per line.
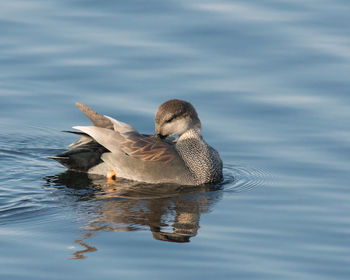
(97,119)
(121,127)
(136,145)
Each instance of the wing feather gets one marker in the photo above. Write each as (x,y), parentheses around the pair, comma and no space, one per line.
(148,148)
(134,144)
(97,119)
(121,127)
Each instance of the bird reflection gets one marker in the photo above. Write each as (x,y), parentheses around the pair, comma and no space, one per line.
(89,249)
(170,212)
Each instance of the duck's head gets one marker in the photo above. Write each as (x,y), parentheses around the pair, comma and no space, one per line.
(175,117)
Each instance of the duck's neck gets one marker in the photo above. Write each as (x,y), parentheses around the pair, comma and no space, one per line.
(196,155)
(193,133)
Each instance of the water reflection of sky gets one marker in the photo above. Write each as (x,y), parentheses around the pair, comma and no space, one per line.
(270,82)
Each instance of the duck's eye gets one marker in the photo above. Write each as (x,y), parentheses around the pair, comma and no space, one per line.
(171,119)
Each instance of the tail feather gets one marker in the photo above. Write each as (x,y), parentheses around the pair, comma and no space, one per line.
(84,139)
(82,157)
(85,153)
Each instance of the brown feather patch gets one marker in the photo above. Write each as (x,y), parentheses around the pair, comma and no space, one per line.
(147,148)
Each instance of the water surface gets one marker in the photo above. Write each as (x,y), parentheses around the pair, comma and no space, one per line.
(269,80)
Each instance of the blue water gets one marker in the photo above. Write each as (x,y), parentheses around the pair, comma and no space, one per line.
(270,82)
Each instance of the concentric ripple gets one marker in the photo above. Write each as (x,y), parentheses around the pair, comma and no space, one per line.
(238,178)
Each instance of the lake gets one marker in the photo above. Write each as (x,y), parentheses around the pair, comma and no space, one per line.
(270,82)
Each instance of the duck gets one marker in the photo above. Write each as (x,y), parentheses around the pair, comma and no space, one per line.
(176,153)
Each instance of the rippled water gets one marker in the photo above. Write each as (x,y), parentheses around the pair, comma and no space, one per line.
(270,82)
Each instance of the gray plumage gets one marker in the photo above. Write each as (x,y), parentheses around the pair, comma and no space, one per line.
(114,145)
